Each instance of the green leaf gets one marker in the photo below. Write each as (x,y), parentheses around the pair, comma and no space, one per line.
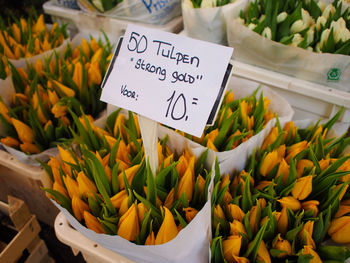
(180,218)
(253,247)
(154,210)
(61,199)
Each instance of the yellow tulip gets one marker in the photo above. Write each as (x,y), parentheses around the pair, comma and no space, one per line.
(302,188)
(118,125)
(37,46)
(282,244)
(150,240)
(240,259)
(339,229)
(64,89)
(231,247)
(78,75)
(29,148)
(16,32)
(289,129)
(263,254)
(118,198)
(168,230)
(78,207)
(213,134)
(53,98)
(190,213)
(343,210)
(39,25)
(218,213)
(130,173)
(229,97)
(253,216)
(169,200)
(21,98)
(305,235)
(283,169)
(282,221)
(181,166)
(307,250)
(270,138)
(85,47)
(65,155)
(236,228)
(122,153)
(24,25)
(245,110)
(142,209)
(302,164)
(168,160)
(290,202)
(92,223)
(311,205)
(72,186)
(201,184)
(324,163)
(269,162)
(39,67)
(281,150)
(10,142)
(124,206)
(343,191)
(86,186)
(186,185)
(211,145)
(94,74)
(59,188)
(263,184)
(94,45)
(296,148)
(128,226)
(24,132)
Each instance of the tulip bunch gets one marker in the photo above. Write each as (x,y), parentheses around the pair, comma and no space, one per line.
(311,25)
(236,122)
(206,3)
(26,38)
(39,116)
(108,185)
(292,195)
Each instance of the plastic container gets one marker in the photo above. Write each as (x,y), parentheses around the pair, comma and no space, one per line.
(91,251)
(25,181)
(308,99)
(87,22)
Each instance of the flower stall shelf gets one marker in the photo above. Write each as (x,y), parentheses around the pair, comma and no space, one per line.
(87,22)
(304,39)
(91,251)
(26,229)
(25,182)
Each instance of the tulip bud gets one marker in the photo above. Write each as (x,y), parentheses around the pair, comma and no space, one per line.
(281,17)
(296,148)
(150,240)
(305,235)
(236,212)
(211,145)
(92,223)
(297,26)
(339,229)
(307,250)
(263,254)
(254,218)
(201,184)
(190,213)
(128,225)
(302,164)
(269,162)
(24,132)
(72,186)
(311,205)
(186,185)
(329,10)
(85,47)
(237,228)
(282,221)
(29,148)
(118,198)
(283,169)
(302,188)
(130,173)
(64,89)
(290,202)
(142,209)
(124,206)
(168,230)
(10,142)
(231,247)
(86,186)
(78,75)
(78,207)
(283,245)
(66,156)
(270,138)
(218,213)
(267,33)
(169,200)
(59,188)
(4,111)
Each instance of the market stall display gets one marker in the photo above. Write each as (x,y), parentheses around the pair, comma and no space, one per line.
(289,197)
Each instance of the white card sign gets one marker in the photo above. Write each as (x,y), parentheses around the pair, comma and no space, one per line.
(169,78)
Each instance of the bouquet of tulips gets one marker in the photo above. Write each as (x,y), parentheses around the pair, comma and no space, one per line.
(27,38)
(291,197)
(236,122)
(38,116)
(311,25)
(108,186)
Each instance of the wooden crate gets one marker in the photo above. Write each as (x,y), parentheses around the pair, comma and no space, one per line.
(27,236)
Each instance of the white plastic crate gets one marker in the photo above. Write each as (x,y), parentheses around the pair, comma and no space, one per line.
(25,181)
(309,100)
(91,251)
(87,22)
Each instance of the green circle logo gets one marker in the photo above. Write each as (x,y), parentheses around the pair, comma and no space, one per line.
(333,74)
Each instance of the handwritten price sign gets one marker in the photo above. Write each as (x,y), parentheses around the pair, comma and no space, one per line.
(169,78)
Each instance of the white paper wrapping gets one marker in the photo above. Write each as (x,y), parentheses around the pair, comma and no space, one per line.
(209,24)
(145,11)
(242,88)
(254,49)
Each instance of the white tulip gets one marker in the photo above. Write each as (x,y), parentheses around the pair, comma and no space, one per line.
(322,5)
(324,37)
(307,19)
(343,34)
(240,20)
(252,26)
(281,17)
(330,9)
(321,20)
(267,32)
(297,26)
(310,36)
(187,4)
(262,17)
(297,39)
(208,3)
(309,49)
(317,48)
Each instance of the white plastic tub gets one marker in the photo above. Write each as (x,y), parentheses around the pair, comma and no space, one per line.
(308,99)
(87,22)
(24,182)
(91,251)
